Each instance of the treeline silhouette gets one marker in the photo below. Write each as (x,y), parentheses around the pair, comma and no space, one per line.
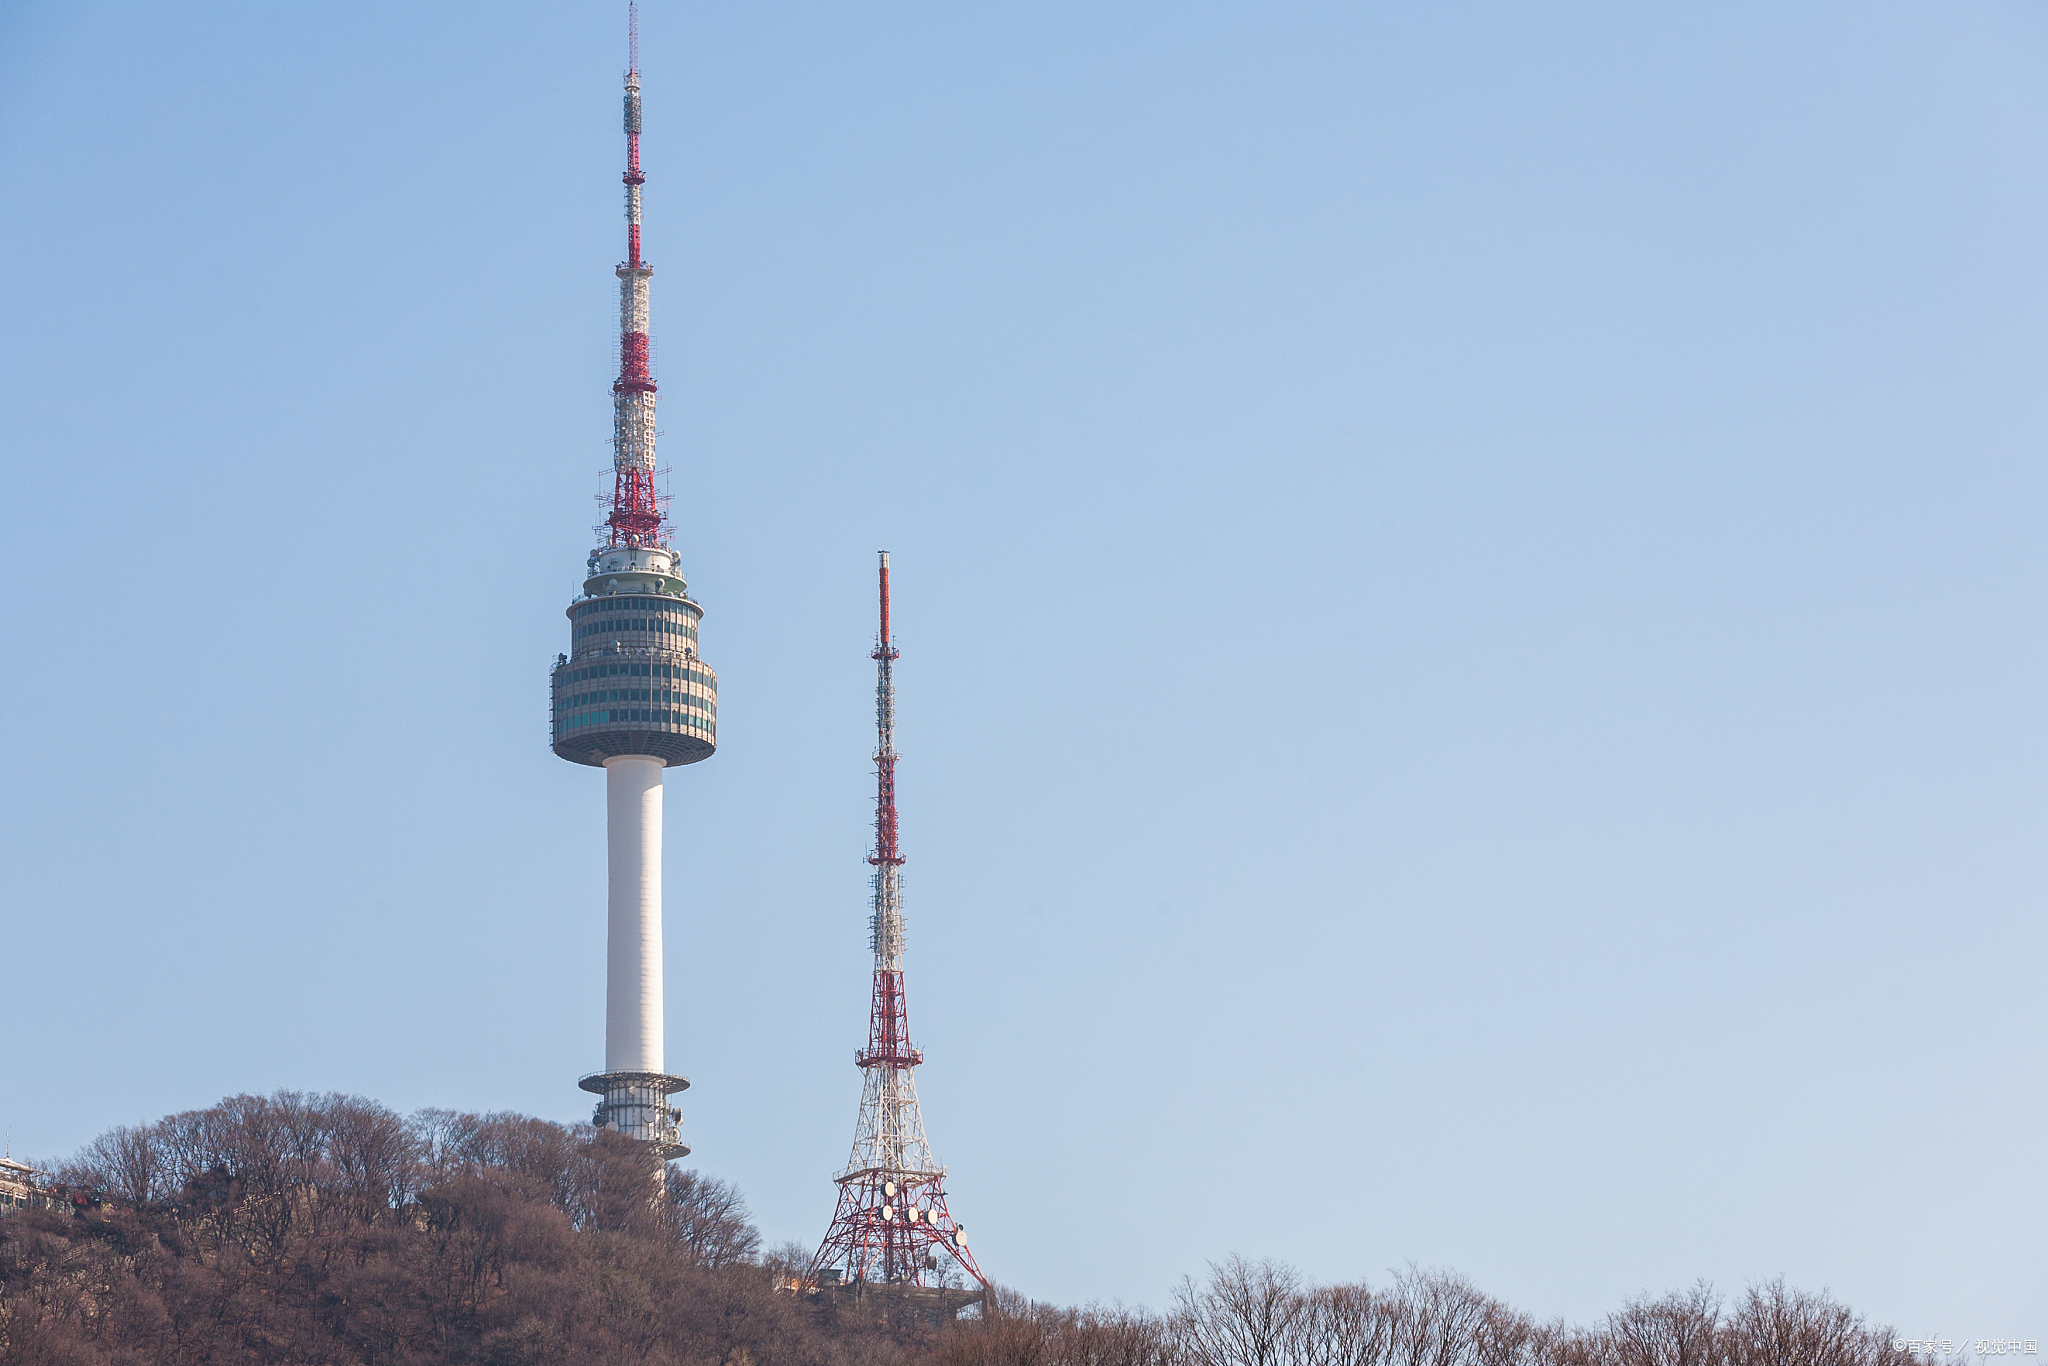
(315,1229)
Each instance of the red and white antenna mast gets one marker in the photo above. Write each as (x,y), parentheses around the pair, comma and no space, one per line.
(892,1227)
(636,515)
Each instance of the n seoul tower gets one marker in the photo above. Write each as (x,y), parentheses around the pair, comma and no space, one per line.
(631,697)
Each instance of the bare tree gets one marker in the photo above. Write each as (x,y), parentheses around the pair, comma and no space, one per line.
(708,1217)
(1442,1319)
(1347,1325)
(123,1162)
(1245,1316)
(1116,1337)
(372,1159)
(1681,1329)
(787,1258)
(1775,1325)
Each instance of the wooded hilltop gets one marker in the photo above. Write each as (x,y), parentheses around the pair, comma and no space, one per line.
(316,1229)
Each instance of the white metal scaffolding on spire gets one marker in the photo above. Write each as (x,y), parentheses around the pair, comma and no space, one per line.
(636,517)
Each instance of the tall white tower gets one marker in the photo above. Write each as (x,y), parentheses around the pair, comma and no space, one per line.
(631,697)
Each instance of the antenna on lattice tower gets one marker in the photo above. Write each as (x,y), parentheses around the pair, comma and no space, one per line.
(892,1226)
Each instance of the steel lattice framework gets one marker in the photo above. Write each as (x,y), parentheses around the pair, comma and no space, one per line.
(892,1226)
(637,506)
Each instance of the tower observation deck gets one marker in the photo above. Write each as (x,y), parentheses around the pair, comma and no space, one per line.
(631,696)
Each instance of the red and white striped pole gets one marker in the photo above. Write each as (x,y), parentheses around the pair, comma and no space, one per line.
(636,516)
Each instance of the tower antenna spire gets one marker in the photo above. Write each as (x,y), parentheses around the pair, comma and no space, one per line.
(637,507)
(892,1226)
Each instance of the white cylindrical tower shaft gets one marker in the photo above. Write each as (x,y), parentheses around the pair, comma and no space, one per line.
(632,1017)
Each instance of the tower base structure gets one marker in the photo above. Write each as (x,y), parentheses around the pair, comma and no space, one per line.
(893,1232)
(929,1303)
(636,1104)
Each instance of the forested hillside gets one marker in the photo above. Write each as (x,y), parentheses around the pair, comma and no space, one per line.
(328,1229)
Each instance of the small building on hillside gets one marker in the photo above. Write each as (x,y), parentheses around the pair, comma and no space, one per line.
(21,1186)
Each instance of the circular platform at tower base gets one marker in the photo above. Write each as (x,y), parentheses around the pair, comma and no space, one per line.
(597,1083)
(597,744)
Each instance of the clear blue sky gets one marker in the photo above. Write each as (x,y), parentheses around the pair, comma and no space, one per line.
(1471,591)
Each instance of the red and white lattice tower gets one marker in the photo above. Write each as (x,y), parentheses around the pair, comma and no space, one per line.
(892,1227)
